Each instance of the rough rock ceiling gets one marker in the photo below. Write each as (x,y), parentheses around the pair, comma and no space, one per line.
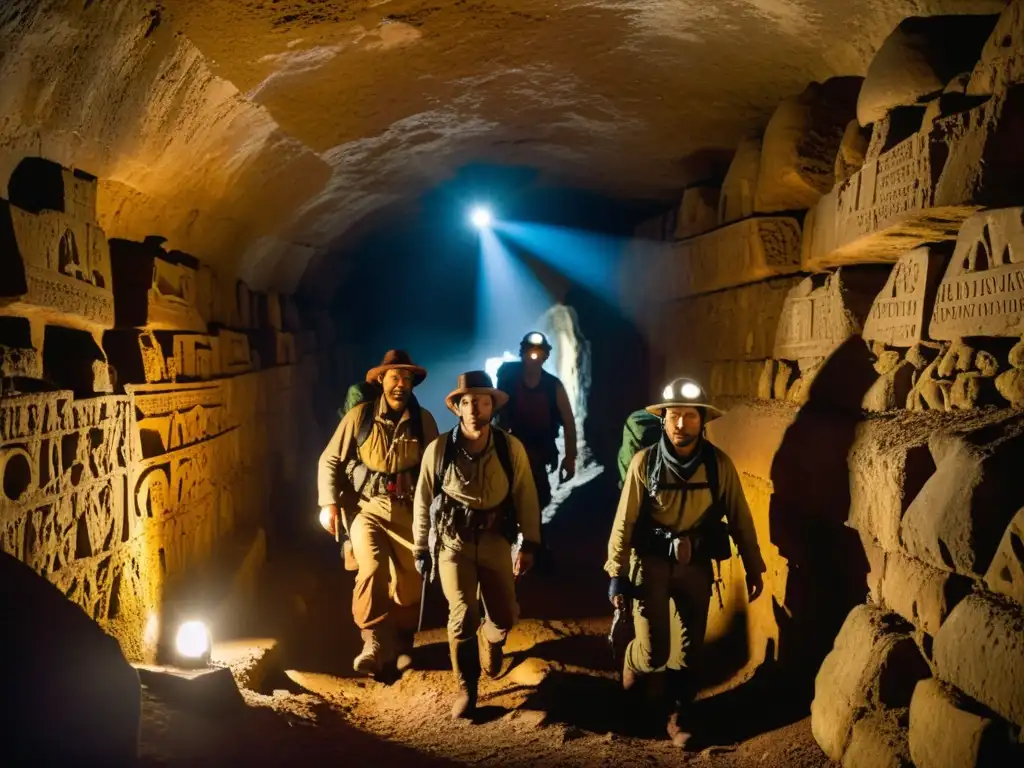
(355,105)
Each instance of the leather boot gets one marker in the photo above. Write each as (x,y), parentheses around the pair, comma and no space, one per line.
(403,649)
(677,729)
(371,658)
(492,654)
(466,665)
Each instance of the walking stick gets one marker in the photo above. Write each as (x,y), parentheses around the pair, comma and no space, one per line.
(423,602)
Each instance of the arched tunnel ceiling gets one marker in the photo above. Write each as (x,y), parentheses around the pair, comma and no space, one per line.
(257,133)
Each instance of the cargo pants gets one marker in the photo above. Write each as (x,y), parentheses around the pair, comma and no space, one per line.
(387,586)
(478,565)
(670,616)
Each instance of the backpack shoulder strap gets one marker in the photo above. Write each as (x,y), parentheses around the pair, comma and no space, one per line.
(711,470)
(416,420)
(366,417)
(443,459)
(504,455)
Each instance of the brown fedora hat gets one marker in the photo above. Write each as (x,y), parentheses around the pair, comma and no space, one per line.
(475,383)
(397,358)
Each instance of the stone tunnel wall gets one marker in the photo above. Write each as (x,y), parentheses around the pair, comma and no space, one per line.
(855,294)
(149,407)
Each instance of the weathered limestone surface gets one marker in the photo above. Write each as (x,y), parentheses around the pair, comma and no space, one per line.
(1002,58)
(918,59)
(878,741)
(922,595)
(737,254)
(958,518)
(946,731)
(1006,573)
(852,149)
(739,188)
(922,189)
(900,314)
(980,650)
(823,311)
(873,665)
(698,211)
(800,143)
(156,289)
(982,291)
(737,324)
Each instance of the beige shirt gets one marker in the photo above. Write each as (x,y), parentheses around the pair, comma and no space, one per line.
(669,510)
(388,448)
(485,488)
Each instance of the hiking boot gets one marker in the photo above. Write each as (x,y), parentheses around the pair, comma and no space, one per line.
(677,730)
(404,645)
(371,660)
(466,665)
(492,655)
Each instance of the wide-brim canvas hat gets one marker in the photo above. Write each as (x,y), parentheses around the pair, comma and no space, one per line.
(397,358)
(475,383)
(685,393)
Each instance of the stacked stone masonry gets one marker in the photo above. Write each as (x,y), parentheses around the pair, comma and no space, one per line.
(117,498)
(911,260)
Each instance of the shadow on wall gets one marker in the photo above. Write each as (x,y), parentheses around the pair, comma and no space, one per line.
(75,699)
(808,512)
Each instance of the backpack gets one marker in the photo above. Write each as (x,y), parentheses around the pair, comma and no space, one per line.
(509,376)
(360,392)
(640,430)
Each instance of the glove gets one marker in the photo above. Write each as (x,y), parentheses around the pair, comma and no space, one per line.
(619,585)
(423,564)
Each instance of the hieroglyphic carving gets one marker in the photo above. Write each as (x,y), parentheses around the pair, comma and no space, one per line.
(156,289)
(54,262)
(982,292)
(822,312)
(64,466)
(921,190)
(745,252)
(900,313)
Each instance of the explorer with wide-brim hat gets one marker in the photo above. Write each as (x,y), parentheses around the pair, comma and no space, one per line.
(475,383)
(474,498)
(685,393)
(400,359)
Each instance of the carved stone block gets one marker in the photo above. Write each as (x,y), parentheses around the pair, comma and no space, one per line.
(270,315)
(234,352)
(922,189)
(55,267)
(737,324)
(799,148)
(739,189)
(745,252)
(273,347)
(1002,58)
(38,184)
(1006,573)
(900,314)
(244,306)
(698,211)
(290,314)
(822,312)
(156,289)
(21,348)
(982,292)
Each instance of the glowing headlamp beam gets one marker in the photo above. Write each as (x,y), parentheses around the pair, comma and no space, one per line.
(481,217)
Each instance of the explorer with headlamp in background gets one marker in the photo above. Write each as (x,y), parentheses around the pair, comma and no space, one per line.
(681,502)
(538,406)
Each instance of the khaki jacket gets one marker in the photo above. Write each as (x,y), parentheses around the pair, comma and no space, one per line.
(389,448)
(486,488)
(669,510)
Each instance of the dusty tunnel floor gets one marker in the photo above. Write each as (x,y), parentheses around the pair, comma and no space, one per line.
(557,702)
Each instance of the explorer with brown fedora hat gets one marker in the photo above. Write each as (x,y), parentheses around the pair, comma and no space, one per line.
(367,477)
(475,496)
(681,502)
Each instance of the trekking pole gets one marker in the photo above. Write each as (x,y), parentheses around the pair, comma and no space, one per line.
(718,583)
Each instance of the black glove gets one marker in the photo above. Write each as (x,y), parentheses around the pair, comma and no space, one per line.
(423,564)
(619,585)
